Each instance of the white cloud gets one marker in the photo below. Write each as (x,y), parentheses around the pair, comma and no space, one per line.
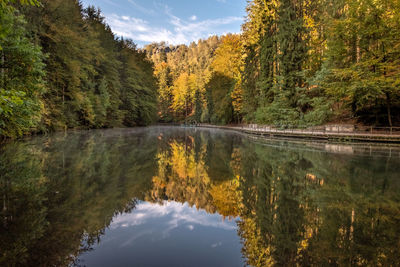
(216,245)
(179,214)
(198,29)
(179,31)
(126,26)
(156,221)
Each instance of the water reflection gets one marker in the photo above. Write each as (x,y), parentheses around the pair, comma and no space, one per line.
(91,196)
(167,234)
(312,208)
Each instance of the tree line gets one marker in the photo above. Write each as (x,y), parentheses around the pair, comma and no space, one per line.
(62,67)
(199,82)
(295,63)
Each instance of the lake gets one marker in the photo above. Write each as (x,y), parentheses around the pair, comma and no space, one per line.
(172,196)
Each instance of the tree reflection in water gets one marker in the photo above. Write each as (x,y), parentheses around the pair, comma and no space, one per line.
(293,206)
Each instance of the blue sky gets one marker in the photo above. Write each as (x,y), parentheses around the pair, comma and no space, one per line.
(172,21)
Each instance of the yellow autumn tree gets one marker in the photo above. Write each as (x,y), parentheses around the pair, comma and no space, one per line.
(228,62)
(228,56)
(183,92)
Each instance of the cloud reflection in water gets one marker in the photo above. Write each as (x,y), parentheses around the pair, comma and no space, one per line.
(173,215)
(174,232)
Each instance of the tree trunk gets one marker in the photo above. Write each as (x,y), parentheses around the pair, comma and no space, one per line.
(358,50)
(2,69)
(388,104)
(63,97)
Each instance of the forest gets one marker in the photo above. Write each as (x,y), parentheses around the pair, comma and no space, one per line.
(295,63)
(62,67)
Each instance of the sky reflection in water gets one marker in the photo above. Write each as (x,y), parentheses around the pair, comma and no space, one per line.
(200,238)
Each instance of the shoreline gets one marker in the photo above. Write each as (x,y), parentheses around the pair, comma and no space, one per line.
(321,135)
(264,132)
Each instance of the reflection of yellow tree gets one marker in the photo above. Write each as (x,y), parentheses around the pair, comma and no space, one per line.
(185,165)
(183,176)
(226,198)
(254,248)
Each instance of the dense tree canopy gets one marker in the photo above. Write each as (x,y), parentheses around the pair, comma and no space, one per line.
(308,62)
(296,63)
(21,77)
(189,79)
(183,72)
(88,77)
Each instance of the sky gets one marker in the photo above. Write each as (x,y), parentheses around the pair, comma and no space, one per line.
(172,21)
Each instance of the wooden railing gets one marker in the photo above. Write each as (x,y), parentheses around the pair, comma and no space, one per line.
(327,129)
(378,130)
(322,130)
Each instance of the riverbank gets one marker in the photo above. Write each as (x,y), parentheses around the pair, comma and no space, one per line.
(328,133)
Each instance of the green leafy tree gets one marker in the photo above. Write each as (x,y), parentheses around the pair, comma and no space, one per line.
(138,86)
(362,67)
(94,79)
(21,77)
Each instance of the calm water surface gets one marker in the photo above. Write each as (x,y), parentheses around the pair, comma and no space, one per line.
(164,196)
